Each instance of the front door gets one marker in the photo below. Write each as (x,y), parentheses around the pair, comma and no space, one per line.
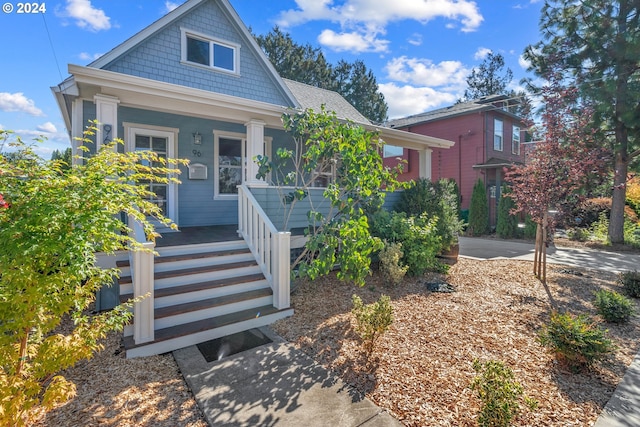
(162,142)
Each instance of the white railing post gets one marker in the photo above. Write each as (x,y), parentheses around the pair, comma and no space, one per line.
(141,263)
(281,259)
(143,312)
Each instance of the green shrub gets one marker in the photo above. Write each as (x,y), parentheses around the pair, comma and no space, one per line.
(391,266)
(600,228)
(630,281)
(507,224)
(576,340)
(418,235)
(613,307)
(478,210)
(578,234)
(499,392)
(530,228)
(440,199)
(372,320)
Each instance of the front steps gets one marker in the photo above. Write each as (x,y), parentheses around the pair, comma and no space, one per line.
(202,292)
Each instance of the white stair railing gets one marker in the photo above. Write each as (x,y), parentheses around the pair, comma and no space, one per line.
(141,264)
(270,247)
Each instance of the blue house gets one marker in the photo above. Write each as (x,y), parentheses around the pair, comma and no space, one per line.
(195,85)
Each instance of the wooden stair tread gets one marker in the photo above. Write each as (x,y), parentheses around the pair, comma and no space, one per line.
(204,325)
(194,270)
(174,310)
(189,256)
(201,286)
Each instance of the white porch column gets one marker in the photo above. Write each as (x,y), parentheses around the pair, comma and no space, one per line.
(425,163)
(255,146)
(77,130)
(107,116)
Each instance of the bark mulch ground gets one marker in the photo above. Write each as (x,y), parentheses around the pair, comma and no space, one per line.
(420,370)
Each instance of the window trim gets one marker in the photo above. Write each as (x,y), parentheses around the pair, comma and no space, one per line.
(185,33)
(216,162)
(495,134)
(515,131)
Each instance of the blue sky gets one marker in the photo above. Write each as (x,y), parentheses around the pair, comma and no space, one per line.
(420,50)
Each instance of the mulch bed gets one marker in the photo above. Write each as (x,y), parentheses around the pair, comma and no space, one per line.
(421,369)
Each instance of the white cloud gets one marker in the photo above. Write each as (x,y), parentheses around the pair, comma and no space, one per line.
(481,53)
(87,16)
(89,56)
(416,39)
(424,72)
(47,127)
(12,102)
(170,5)
(362,21)
(352,42)
(408,100)
(523,62)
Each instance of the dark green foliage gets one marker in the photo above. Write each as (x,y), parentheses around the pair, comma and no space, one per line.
(486,79)
(613,307)
(64,157)
(478,210)
(307,64)
(499,392)
(440,199)
(576,340)
(507,223)
(530,228)
(372,320)
(630,281)
(418,235)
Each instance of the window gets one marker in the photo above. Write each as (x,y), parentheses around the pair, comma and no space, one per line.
(497,135)
(392,151)
(228,166)
(515,142)
(202,50)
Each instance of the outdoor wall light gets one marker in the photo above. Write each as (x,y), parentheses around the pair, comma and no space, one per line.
(197,138)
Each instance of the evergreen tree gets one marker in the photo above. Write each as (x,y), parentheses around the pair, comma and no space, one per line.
(478,210)
(307,64)
(594,44)
(507,223)
(487,79)
(64,157)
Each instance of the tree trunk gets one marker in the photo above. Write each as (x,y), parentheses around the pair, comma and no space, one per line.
(618,200)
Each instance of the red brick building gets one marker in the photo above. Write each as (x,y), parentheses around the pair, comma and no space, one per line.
(487,138)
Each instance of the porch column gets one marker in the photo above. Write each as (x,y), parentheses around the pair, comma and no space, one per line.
(77,129)
(107,116)
(425,163)
(255,146)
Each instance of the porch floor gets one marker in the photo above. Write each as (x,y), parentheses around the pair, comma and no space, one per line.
(196,235)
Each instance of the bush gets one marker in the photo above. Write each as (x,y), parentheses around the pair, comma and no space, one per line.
(372,320)
(530,228)
(576,340)
(507,224)
(500,394)
(440,199)
(418,235)
(613,307)
(630,281)
(390,263)
(591,210)
(478,210)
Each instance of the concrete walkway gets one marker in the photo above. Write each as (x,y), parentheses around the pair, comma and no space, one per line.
(275,385)
(623,409)
(479,248)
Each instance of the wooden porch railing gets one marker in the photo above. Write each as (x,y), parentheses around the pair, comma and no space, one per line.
(270,247)
(141,263)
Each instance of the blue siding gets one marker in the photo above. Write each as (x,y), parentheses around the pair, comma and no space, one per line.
(196,204)
(158,58)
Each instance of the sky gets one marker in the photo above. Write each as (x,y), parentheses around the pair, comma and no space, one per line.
(420,51)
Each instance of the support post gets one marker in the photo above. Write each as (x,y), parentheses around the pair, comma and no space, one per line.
(143,310)
(255,146)
(281,255)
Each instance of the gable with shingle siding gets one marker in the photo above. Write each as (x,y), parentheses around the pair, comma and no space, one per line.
(158,57)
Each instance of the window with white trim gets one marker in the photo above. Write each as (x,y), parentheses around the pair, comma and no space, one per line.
(497,134)
(200,50)
(515,141)
(228,153)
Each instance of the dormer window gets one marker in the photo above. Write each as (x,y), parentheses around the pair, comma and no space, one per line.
(200,50)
